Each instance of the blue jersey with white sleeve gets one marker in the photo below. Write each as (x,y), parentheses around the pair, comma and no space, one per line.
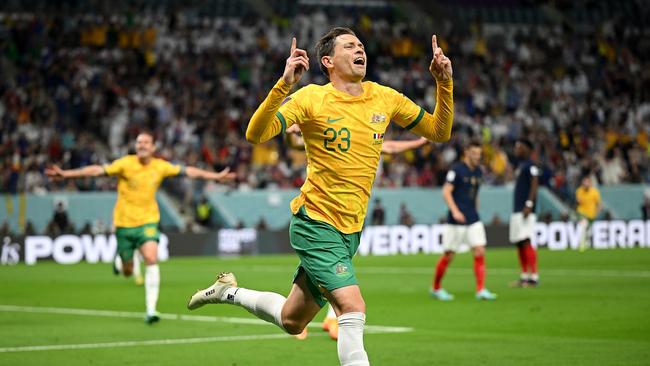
(466,183)
(524,173)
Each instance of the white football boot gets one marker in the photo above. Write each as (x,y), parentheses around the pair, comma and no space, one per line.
(214,293)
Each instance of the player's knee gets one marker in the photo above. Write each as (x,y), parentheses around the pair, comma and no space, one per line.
(479,251)
(293,326)
(449,255)
(353,307)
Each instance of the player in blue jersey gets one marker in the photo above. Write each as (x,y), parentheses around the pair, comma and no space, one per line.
(463,223)
(523,219)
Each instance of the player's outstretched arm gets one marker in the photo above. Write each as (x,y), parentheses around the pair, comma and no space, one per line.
(197,173)
(261,127)
(87,171)
(396,147)
(437,126)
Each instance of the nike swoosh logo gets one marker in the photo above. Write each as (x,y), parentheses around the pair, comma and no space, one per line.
(332,120)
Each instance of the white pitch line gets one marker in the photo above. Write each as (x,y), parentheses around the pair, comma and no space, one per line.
(370,329)
(429,270)
(157,342)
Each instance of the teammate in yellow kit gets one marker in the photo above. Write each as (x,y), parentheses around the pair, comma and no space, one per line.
(343,125)
(136,213)
(588,207)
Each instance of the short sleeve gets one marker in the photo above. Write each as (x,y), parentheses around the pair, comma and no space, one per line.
(170,170)
(451,177)
(293,109)
(116,167)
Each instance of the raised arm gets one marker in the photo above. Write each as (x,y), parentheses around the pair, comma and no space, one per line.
(87,171)
(261,127)
(437,126)
(198,173)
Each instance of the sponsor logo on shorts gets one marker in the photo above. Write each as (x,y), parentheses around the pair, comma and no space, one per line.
(150,231)
(341,270)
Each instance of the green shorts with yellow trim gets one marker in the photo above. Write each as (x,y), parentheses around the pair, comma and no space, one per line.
(325,254)
(131,238)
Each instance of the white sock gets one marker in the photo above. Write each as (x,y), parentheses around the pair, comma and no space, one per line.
(524,276)
(350,342)
(264,305)
(330,313)
(151,286)
(534,276)
(118,263)
(137,272)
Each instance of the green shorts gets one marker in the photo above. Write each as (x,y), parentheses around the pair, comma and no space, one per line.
(131,238)
(325,254)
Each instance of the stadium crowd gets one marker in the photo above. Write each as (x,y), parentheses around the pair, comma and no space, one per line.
(75,90)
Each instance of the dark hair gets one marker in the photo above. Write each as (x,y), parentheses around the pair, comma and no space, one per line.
(147,132)
(325,45)
(526,142)
(473,143)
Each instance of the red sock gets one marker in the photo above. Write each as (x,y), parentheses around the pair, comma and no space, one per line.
(479,272)
(521,250)
(531,255)
(441,267)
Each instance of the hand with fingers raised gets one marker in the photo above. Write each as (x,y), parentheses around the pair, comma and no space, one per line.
(297,63)
(440,66)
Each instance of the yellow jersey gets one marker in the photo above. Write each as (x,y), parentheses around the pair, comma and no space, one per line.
(136,189)
(343,135)
(588,202)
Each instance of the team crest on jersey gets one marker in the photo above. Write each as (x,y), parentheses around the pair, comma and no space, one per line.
(377,138)
(341,270)
(378,118)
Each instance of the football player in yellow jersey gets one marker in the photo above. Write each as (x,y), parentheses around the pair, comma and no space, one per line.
(294,140)
(343,125)
(588,207)
(136,214)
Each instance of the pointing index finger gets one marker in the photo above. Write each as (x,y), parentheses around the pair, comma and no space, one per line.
(293,45)
(434,43)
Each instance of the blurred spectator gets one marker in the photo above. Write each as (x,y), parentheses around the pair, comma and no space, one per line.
(29,228)
(405,217)
(203,212)
(5,229)
(378,213)
(61,220)
(86,229)
(645,208)
(99,227)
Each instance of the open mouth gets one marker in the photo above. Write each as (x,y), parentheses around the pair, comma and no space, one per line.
(359,61)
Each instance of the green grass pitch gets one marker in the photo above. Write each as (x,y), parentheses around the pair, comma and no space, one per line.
(592,308)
